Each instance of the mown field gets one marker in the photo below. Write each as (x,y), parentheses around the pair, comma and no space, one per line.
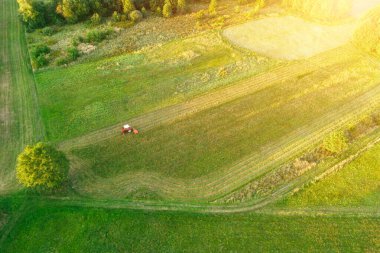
(78,229)
(234,140)
(213,118)
(20,122)
(87,97)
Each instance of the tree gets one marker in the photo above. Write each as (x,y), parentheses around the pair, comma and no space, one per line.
(167,10)
(181,6)
(42,167)
(74,10)
(32,13)
(212,7)
(128,6)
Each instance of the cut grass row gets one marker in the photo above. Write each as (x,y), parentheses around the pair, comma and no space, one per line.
(79,229)
(243,149)
(20,122)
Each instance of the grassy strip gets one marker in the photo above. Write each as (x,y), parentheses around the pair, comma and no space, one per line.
(19,114)
(47,227)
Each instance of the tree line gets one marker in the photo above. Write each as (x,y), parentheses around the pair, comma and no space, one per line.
(40,13)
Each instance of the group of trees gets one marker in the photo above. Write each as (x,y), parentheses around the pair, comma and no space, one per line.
(325,10)
(39,13)
(367,36)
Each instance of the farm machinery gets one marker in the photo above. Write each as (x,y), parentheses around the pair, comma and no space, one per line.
(127,129)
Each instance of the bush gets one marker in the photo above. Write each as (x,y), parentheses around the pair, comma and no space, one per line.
(48,31)
(96,19)
(335,143)
(96,36)
(72,53)
(167,10)
(42,167)
(38,56)
(62,61)
(136,16)
(116,17)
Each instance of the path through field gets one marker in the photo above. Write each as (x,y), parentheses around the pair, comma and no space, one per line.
(20,122)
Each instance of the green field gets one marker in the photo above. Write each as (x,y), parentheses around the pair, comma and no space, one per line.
(356,184)
(215,121)
(76,229)
(20,122)
(90,96)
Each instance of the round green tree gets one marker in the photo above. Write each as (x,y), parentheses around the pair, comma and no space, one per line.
(42,166)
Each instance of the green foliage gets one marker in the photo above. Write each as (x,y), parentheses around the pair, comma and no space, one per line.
(212,7)
(116,17)
(32,13)
(38,56)
(41,166)
(96,36)
(367,35)
(74,10)
(135,16)
(48,31)
(72,53)
(181,6)
(96,19)
(167,10)
(128,6)
(335,143)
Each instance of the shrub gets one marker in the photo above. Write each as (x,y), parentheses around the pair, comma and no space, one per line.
(128,6)
(116,17)
(62,61)
(136,16)
(96,19)
(48,31)
(212,7)
(167,10)
(42,167)
(38,56)
(72,53)
(335,143)
(96,36)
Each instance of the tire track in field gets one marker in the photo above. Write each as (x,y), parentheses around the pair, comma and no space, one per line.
(218,97)
(214,185)
(258,205)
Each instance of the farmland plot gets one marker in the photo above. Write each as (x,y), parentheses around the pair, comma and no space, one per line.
(83,98)
(288,37)
(221,148)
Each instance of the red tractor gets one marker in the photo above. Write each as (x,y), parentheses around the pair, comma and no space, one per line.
(127,129)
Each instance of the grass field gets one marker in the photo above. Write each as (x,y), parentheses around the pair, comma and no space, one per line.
(233,141)
(86,97)
(213,118)
(77,229)
(288,37)
(356,184)
(20,122)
